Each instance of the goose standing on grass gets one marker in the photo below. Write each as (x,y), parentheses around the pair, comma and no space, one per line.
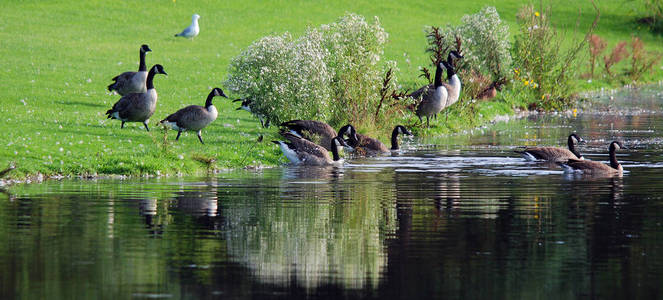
(193,29)
(553,153)
(194,117)
(433,97)
(246,105)
(303,152)
(132,82)
(365,145)
(318,132)
(593,167)
(138,107)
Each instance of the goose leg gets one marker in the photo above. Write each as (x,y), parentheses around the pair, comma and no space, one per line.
(178,134)
(427,121)
(200,138)
(145,124)
(122,126)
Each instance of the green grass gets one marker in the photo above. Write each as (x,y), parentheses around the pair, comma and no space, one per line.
(57,57)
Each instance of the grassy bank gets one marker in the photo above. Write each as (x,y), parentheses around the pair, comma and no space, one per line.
(57,57)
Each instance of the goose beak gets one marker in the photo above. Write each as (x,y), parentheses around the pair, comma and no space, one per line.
(582,142)
(239,108)
(237,100)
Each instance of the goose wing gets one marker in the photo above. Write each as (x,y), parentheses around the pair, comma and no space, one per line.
(305,148)
(370,144)
(589,166)
(126,105)
(422,93)
(549,153)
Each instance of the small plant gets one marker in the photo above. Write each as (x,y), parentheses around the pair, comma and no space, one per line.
(642,61)
(596,47)
(617,55)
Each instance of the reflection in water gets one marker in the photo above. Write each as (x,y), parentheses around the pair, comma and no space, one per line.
(315,230)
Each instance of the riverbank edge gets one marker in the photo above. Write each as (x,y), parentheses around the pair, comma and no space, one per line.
(486,121)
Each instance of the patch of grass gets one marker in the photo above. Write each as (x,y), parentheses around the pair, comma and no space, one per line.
(57,58)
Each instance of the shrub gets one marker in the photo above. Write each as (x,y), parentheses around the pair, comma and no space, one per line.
(332,73)
(285,78)
(617,55)
(642,61)
(486,44)
(542,67)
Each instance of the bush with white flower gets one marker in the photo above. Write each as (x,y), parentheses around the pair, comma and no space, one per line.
(332,73)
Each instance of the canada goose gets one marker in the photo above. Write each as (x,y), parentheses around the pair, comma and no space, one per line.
(433,97)
(194,117)
(453,84)
(303,152)
(138,107)
(553,153)
(593,167)
(365,145)
(318,132)
(193,29)
(246,105)
(132,82)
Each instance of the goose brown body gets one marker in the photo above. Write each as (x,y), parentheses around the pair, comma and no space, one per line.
(593,167)
(137,107)
(304,152)
(194,117)
(553,153)
(132,82)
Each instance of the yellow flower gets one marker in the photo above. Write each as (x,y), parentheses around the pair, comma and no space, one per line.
(525,82)
(575,112)
(536,13)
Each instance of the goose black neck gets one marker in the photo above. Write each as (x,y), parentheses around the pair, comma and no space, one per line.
(438,76)
(613,157)
(450,71)
(142,67)
(334,150)
(150,77)
(572,147)
(208,102)
(394,139)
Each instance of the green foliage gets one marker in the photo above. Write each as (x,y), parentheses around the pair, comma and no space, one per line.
(331,73)
(485,43)
(544,67)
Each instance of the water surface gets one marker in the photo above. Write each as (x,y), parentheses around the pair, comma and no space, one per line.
(453,217)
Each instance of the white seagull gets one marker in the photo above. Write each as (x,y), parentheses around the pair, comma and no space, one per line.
(192,30)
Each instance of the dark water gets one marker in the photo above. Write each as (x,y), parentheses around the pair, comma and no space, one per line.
(459,217)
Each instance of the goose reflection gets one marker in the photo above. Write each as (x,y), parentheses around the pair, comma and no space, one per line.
(314,229)
(198,201)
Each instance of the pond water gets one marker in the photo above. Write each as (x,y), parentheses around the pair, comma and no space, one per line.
(454,217)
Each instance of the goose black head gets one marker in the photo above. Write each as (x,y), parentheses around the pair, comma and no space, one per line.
(340,142)
(577,139)
(616,145)
(145,48)
(218,92)
(246,104)
(350,131)
(454,55)
(158,69)
(402,130)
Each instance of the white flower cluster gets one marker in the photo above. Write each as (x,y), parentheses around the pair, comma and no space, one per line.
(485,41)
(314,76)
